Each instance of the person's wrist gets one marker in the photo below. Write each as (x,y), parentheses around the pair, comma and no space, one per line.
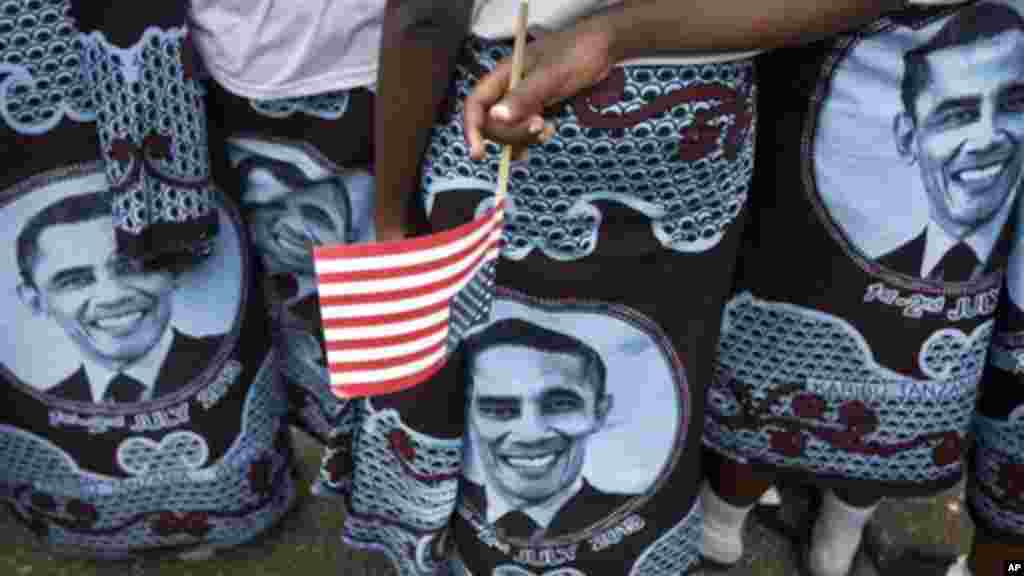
(389,224)
(388,231)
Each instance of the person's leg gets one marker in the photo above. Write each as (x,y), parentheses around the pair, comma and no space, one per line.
(838,529)
(730,492)
(770,498)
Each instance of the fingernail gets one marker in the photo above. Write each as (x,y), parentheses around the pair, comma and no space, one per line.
(536,125)
(501,112)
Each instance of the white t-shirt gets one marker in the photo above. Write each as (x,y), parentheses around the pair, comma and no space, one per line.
(497,18)
(267,49)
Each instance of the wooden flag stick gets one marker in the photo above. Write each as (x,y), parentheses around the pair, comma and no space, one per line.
(517,72)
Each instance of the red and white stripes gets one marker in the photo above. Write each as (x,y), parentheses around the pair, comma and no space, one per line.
(386,307)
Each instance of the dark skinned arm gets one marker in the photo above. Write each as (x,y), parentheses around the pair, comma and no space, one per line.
(645,27)
(562,64)
(419,43)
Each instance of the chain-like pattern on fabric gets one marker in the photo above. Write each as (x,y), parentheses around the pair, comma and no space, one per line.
(997,488)
(471,306)
(674,142)
(328,106)
(675,551)
(152,129)
(172,501)
(41,78)
(797,387)
(404,489)
(336,464)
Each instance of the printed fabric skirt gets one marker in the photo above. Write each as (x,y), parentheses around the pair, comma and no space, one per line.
(143,408)
(563,435)
(300,184)
(995,487)
(852,349)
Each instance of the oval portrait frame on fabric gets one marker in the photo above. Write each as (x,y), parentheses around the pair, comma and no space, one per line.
(101,316)
(534,437)
(291,195)
(863,98)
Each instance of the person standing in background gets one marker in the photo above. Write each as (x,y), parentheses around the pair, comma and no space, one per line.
(639,120)
(291,104)
(994,488)
(855,368)
(167,410)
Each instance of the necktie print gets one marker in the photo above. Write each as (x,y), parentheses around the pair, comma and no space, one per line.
(517,524)
(123,389)
(958,264)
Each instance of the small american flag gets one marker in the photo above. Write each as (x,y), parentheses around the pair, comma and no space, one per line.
(393,311)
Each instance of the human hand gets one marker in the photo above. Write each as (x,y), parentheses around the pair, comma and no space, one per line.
(555,67)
